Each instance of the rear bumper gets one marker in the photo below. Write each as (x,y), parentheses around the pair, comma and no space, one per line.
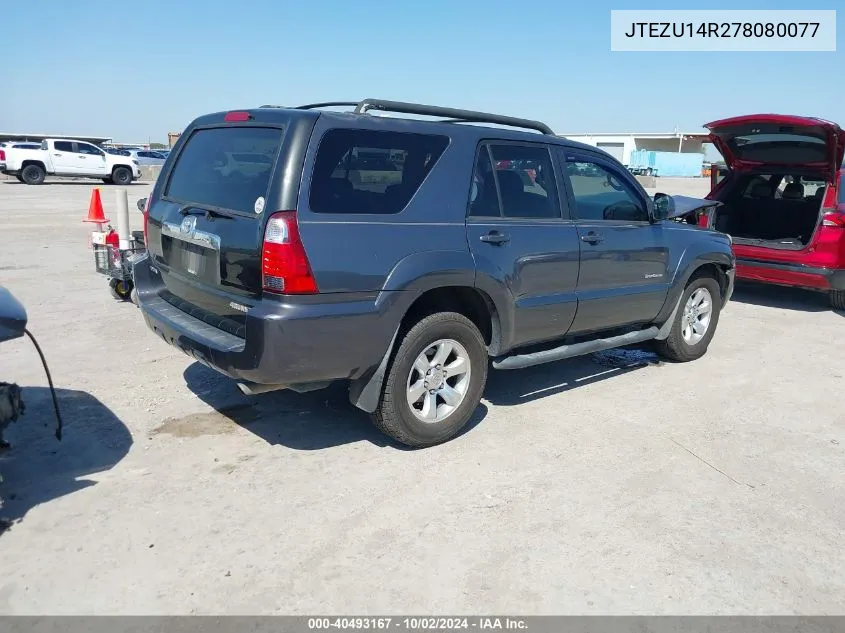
(796,275)
(285,343)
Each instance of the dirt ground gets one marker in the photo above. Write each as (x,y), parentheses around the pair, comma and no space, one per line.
(605,484)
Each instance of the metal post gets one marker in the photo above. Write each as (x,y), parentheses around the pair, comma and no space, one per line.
(123,232)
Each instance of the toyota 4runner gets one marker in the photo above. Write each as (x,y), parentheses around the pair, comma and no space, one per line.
(294,247)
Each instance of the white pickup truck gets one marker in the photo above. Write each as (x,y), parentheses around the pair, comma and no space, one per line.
(62,157)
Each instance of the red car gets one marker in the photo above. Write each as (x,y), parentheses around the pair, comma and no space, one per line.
(783,200)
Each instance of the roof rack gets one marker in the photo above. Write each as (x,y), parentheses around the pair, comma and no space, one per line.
(327,104)
(455,115)
(452,115)
(313,106)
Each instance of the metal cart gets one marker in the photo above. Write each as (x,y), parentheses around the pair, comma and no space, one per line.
(116,264)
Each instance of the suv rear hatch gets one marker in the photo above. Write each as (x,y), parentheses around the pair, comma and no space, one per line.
(206,222)
(774,140)
(782,176)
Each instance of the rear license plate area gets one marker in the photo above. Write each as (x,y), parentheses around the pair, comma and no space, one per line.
(194,259)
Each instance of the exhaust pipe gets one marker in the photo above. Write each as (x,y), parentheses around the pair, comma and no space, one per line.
(253,389)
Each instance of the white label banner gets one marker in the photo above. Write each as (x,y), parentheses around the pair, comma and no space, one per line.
(723,30)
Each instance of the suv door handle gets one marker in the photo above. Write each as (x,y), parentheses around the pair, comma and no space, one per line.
(592,238)
(494,237)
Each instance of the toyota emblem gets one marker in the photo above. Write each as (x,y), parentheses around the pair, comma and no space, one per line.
(188,224)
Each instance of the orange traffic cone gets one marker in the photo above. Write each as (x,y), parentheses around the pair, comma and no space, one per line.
(95,209)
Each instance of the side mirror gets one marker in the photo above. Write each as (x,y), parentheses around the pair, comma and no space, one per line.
(664,206)
(141,204)
(12,316)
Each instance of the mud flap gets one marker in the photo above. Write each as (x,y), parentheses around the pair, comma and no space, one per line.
(365,392)
(663,332)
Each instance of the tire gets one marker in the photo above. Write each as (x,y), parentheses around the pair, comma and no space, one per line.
(121,176)
(683,349)
(120,289)
(20,178)
(395,416)
(107,181)
(837,299)
(33,174)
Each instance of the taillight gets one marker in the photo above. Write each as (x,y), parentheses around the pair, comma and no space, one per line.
(703,217)
(237,116)
(146,213)
(2,155)
(834,218)
(284,264)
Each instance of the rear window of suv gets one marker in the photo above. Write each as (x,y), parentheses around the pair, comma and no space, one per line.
(227,167)
(366,171)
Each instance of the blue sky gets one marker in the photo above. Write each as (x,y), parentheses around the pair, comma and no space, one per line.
(136,71)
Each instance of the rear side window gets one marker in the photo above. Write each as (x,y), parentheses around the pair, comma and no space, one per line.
(365,171)
(522,185)
(227,167)
(526,181)
(63,146)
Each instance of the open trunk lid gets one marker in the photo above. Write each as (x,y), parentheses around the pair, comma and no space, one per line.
(774,140)
(207,218)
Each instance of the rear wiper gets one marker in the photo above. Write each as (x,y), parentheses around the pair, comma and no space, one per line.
(208,213)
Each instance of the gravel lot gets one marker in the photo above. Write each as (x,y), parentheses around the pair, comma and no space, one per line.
(605,484)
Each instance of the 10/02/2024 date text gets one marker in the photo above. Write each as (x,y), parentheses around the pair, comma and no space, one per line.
(417,623)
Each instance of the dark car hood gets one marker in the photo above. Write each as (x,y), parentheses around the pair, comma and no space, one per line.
(684,205)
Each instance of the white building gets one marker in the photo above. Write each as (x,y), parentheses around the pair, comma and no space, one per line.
(621,145)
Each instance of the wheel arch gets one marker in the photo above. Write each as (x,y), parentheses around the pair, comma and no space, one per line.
(718,271)
(30,161)
(474,304)
(121,166)
(697,261)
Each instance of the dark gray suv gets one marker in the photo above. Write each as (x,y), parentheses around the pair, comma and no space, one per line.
(294,247)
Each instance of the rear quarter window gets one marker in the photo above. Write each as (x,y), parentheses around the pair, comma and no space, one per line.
(371,172)
(228,167)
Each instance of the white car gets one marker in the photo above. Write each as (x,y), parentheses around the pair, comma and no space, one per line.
(64,157)
(148,156)
(7,145)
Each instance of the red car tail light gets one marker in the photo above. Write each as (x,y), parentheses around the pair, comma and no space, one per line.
(703,217)
(834,218)
(284,264)
(2,155)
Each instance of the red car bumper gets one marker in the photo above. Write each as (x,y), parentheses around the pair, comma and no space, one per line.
(796,275)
